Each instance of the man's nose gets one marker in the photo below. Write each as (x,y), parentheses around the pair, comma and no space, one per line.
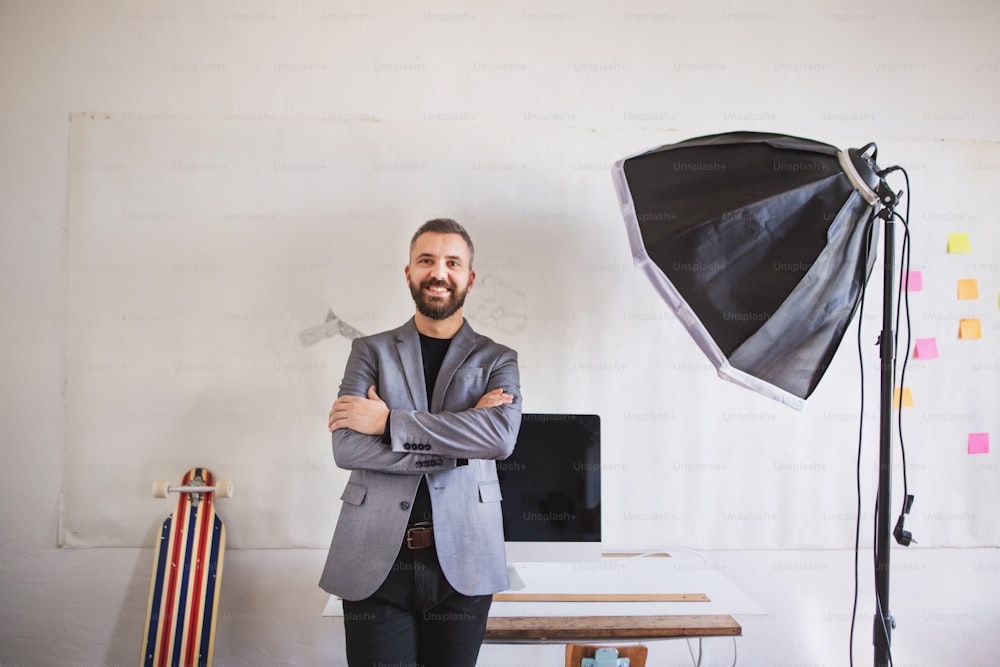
(440,271)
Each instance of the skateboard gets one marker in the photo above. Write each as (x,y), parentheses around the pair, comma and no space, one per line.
(187,574)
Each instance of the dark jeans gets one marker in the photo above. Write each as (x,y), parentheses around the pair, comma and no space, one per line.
(415,619)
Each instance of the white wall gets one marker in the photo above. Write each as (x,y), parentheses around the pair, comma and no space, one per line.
(920,78)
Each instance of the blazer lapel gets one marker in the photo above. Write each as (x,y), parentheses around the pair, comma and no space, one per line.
(461,347)
(411,361)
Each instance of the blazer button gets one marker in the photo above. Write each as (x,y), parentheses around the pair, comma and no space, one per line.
(404,505)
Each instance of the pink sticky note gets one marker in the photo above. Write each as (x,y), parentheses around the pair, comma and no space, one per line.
(925,348)
(979,443)
(915,281)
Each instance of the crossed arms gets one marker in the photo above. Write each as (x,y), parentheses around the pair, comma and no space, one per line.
(359,417)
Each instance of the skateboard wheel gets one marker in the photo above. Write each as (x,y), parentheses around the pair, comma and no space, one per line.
(161,488)
(224,488)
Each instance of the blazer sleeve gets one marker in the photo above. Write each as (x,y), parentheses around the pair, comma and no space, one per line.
(474,433)
(357,451)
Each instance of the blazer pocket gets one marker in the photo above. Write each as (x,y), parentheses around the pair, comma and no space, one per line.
(466,374)
(489,492)
(354,494)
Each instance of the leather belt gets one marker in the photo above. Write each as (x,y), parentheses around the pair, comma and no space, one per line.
(419,536)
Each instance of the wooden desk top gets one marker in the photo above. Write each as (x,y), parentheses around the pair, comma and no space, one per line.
(513,629)
(602,601)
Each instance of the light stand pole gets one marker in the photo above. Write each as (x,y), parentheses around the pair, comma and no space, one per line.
(884,623)
(862,172)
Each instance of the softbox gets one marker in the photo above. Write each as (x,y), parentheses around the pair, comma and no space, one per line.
(760,244)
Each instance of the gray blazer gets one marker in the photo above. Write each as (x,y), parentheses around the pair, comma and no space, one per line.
(428,436)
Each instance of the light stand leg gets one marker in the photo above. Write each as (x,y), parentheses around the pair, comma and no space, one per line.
(884,622)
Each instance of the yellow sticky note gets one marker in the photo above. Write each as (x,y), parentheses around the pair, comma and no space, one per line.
(970,328)
(958,242)
(968,288)
(907,398)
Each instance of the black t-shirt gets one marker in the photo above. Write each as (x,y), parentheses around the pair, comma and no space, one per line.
(432,350)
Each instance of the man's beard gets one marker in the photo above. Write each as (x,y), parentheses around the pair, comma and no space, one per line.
(441,308)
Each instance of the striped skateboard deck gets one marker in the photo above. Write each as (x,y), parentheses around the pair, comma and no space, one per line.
(187,574)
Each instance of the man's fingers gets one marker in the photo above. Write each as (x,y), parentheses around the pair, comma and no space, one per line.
(492,399)
(340,411)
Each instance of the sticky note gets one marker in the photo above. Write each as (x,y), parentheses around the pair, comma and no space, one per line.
(979,443)
(925,348)
(970,329)
(914,281)
(906,396)
(958,242)
(968,288)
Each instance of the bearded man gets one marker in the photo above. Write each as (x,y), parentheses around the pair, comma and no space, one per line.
(423,413)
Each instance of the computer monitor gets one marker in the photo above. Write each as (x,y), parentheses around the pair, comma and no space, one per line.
(551,488)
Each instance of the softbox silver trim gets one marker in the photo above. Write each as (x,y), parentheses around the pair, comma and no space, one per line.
(854,177)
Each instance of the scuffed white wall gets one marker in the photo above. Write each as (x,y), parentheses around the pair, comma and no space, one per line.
(919,78)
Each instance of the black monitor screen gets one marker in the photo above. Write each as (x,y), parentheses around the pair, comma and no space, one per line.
(551,484)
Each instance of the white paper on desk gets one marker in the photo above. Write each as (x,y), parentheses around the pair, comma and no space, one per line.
(626,576)
(516,583)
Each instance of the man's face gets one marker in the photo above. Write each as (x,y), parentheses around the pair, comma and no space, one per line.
(439,274)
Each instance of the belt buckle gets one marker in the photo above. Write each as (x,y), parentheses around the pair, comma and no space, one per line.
(422,527)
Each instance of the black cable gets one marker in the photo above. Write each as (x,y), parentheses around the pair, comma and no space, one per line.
(878,600)
(904,294)
(865,275)
(905,299)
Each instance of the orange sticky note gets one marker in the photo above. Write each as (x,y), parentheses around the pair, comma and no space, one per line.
(914,281)
(906,396)
(979,443)
(968,288)
(970,329)
(958,242)
(925,348)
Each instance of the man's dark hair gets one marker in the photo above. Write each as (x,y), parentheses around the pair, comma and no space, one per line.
(445,226)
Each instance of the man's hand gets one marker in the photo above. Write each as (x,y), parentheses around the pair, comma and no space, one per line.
(492,399)
(368,415)
(364,415)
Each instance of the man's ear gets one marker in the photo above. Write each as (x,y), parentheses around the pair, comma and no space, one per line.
(472,279)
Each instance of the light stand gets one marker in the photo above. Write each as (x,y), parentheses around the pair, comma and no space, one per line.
(705,202)
(861,170)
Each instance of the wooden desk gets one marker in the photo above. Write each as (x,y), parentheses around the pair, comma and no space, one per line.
(616,600)
(565,629)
